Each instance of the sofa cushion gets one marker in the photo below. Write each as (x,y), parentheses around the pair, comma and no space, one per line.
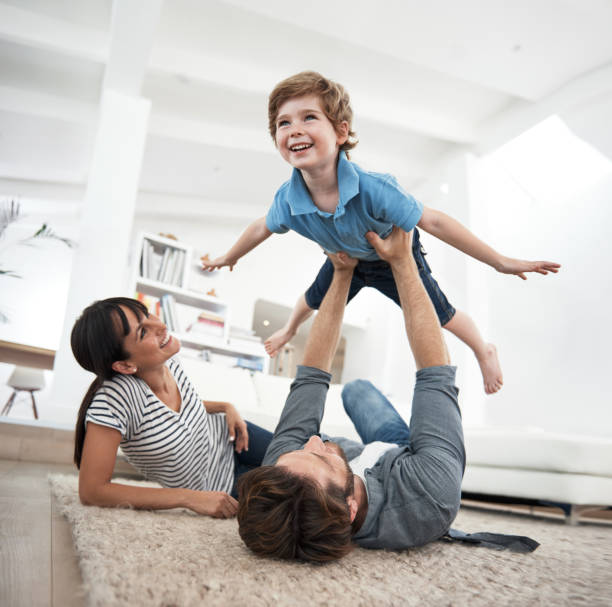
(538,484)
(272,393)
(216,382)
(532,449)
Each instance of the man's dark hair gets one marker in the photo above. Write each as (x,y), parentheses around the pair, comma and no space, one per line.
(287,516)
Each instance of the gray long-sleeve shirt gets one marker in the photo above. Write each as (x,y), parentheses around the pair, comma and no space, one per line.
(413,492)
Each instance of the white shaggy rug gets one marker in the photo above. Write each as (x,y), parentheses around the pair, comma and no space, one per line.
(130,557)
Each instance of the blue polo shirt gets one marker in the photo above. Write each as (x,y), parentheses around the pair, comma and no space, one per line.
(368,202)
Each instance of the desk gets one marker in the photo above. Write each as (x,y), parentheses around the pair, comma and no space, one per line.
(26,356)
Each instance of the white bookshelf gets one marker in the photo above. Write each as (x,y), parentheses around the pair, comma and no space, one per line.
(147,279)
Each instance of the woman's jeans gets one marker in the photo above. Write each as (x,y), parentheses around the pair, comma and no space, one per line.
(259,439)
(373,416)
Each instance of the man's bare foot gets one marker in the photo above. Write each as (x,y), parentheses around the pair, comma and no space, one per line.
(491,369)
(277,340)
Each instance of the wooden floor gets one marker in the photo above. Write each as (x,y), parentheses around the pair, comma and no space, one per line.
(38,564)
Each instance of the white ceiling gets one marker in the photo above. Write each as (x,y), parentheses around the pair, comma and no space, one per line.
(424,78)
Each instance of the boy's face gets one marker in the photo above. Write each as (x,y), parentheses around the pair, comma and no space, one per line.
(305,137)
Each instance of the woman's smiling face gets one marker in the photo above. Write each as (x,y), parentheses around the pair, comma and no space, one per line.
(148,343)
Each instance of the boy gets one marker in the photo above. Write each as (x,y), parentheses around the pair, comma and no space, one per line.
(333,202)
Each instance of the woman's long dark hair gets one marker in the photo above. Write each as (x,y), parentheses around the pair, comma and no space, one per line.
(97,342)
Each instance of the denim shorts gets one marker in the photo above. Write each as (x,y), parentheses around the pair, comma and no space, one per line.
(378,275)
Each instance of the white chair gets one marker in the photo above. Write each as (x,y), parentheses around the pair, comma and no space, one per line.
(24,379)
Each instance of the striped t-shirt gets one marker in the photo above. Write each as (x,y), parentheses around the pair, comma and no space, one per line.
(189,449)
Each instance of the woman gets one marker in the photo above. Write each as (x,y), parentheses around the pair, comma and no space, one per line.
(142,401)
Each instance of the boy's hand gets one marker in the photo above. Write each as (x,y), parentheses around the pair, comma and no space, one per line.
(394,249)
(341,261)
(215,264)
(519,267)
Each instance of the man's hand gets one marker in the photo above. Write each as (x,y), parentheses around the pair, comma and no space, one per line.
(212,503)
(341,261)
(237,428)
(217,263)
(395,249)
(508,265)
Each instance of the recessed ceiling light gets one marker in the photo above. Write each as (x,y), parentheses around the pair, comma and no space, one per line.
(265,323)
(444,188)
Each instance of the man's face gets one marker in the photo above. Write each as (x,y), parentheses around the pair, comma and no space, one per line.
(322,462)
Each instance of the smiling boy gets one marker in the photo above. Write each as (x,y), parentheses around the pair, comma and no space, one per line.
(335,203)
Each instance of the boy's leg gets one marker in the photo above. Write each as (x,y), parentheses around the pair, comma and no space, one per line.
(316,291)
(307,303)
(455,321)
(381,278)
(463,327)
(373,416)
(300,313)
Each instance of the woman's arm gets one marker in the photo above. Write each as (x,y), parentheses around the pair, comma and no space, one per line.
(236,425)
(97,489)
(452,232)
(254,235)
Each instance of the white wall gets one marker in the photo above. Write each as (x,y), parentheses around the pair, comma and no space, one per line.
(553,331)
(35,302)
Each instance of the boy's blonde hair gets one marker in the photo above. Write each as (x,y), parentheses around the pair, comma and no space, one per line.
(335,101)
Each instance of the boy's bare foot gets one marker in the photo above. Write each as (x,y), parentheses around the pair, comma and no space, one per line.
(491,369)
(277,340)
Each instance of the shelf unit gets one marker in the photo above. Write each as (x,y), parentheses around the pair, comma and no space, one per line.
(150,250)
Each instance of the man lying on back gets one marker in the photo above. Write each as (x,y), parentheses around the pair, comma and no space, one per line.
(403,487)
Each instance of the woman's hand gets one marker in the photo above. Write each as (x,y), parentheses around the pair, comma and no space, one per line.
(212,503)
(237,428)
(236,425)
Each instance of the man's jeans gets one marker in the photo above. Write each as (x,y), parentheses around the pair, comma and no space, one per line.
(373,416)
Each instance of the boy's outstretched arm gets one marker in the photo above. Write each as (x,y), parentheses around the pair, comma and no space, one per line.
(449,230)
(255,234)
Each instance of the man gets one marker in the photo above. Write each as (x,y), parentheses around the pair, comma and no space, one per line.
(306,501)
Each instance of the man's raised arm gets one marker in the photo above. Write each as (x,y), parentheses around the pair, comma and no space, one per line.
(325,332)
(422,325)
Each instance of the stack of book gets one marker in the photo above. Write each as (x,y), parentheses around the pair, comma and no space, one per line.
(166,267)
(208,323)
(168,306)
(163,307)
(247,363)
(151,302)
(243,338)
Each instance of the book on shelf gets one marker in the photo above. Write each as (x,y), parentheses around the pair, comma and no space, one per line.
(163,263)
(208,323)
(163,266)
(248,363)
(176,271)
(168,305)
(151,302)
(146,259)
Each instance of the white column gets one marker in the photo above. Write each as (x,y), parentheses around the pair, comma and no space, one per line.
(100,266)
(100,261)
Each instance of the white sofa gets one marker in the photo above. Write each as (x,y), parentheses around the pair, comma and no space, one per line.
(512,462)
